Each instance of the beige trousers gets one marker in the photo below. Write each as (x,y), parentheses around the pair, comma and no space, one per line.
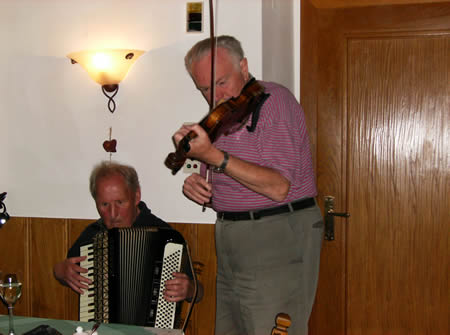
(265,267)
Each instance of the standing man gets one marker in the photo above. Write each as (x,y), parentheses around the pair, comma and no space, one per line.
(117,194)
(269,228)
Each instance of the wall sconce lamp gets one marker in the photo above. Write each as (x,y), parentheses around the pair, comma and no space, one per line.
(107,67)
(4,216)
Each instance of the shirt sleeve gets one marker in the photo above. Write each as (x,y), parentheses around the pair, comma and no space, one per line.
(283,140)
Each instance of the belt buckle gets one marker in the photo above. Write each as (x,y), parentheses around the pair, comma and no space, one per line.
(255,215)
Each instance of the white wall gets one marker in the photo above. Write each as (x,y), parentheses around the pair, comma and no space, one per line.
(54,118)
(281,42)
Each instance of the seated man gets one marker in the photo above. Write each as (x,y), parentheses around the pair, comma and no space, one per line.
(117,194)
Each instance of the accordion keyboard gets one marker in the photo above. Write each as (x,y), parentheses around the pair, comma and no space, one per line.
(87,308)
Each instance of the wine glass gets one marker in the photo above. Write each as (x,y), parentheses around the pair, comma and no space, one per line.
(10,292)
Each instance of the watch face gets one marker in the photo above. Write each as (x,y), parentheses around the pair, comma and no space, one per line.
(221,168)
(217,170)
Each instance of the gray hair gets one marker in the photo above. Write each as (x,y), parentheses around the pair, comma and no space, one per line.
(201,48)
(106,169)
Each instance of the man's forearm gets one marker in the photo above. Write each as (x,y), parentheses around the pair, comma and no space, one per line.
(262,180)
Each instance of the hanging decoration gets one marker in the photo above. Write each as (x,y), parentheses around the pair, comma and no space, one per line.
(110,145)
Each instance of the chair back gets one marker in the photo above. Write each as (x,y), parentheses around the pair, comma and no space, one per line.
(282,323)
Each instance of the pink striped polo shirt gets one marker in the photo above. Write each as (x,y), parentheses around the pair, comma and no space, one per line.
(280,141)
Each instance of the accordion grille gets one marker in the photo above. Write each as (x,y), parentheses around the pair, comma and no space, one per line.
(132,272)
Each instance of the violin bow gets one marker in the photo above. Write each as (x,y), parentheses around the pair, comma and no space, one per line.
(212,90)
(212,103)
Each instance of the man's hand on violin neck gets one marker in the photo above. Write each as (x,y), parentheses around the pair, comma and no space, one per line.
(180,134)
(200,146)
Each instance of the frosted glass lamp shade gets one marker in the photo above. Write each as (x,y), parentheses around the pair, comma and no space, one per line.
(106,67)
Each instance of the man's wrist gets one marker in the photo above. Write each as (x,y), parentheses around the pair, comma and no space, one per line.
(221,168)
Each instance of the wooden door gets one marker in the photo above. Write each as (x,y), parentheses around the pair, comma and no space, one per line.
(376,91)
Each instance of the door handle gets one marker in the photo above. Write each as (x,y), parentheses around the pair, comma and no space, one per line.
(329,217)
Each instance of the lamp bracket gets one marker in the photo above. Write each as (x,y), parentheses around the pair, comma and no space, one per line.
(112,89)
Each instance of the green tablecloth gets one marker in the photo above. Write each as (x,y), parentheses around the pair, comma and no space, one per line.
(65,327)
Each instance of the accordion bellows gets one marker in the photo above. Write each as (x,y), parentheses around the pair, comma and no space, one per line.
(129,267)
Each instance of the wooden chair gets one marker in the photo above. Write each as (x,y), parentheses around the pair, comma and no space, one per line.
(282,323)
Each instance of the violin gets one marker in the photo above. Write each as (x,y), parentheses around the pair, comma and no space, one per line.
(220,121)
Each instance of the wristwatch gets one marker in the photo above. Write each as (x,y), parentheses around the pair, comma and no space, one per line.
(221,167)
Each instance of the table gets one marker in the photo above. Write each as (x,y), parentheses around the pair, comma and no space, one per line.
(66,327)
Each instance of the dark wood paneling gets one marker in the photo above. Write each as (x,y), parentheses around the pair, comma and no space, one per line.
(31,246)
(48,245)
(14,258)
(200,238)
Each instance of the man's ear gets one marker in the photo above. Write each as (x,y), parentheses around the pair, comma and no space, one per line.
(138,196)
(243,64)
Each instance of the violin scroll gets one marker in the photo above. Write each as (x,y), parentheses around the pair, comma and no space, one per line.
(175,160)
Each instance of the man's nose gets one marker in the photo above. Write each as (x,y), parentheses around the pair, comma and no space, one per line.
(113,211)
(221,96)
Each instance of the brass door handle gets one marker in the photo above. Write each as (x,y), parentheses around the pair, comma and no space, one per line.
(329,217)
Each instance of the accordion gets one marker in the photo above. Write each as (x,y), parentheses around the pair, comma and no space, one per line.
(128,267)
